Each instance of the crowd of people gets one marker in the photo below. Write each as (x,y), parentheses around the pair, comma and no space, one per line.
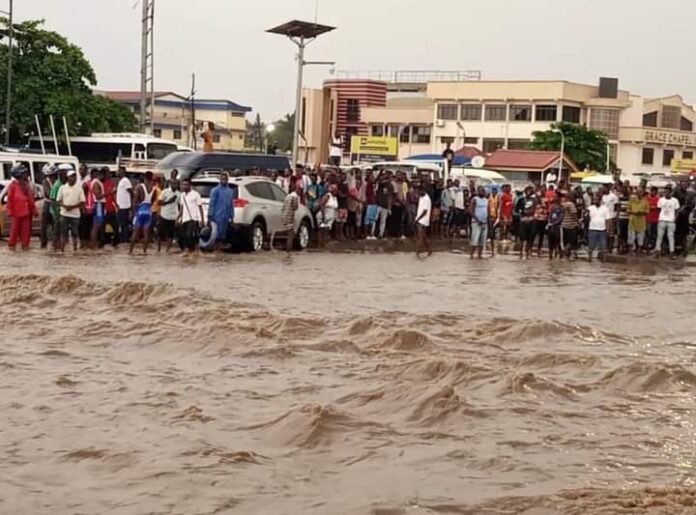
(93,209)
(557,218)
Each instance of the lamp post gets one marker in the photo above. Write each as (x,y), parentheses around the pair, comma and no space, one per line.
(560,158)
(8,106)
(301,33)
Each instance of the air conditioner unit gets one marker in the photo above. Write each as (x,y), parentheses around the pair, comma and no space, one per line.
(440,124)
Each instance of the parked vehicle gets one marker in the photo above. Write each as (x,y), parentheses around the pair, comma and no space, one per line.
(257,211)
(412,169)
(193,164)
(38,198)
(34,163)
(489,179)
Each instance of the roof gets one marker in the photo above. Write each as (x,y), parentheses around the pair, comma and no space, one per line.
(532,160)
(128,97)
(133,96)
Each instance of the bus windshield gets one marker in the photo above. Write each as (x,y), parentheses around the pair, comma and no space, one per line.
(159,151)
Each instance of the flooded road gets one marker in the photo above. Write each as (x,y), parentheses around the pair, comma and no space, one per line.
(334,384)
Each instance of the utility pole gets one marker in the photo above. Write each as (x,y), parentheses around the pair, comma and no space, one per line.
(8,107)
(147,67)
(193,111)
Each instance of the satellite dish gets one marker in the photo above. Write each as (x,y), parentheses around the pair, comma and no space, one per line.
(478,162)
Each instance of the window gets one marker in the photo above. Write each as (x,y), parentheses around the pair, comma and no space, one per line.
(353,110)
(546,113)
(102,153)
(447,111)
(393,131)
(648,156)
(159,150)
(496,113)
(405,136)
(261,189)
(377,130)
(518,144)
(446,139)
(667,156)
(278,193)
(38,171)
(157,133)
(650,119)
(177,133)
(521,113)
(421,134)
(686,124)
(687,155)
(471,112)
(216,138)
(350,132)
(471,141)
(492,144)
(605,120)
(671,116)
(571,114)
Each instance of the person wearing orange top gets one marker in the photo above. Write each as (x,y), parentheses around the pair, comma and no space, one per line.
(208,137)
(20,207)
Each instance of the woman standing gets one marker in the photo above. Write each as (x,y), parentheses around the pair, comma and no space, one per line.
(20,207)
(328,207)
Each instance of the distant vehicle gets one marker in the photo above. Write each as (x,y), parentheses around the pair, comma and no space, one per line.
(412,169)
(489,179)
(257,211)
(192,164)
(108,149)
(34,163)
(38,198)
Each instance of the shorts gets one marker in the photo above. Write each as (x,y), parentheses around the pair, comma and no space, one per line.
(341,216)
(85,226)
(326,219)
(352,220)
(527,231)
(491,229)
(479,234)
(554,235)
(597,240)
(435,215)
(166,229)
(459,219)
(143,217)
(69,226)
(98,216)
(570,238)
(371,214)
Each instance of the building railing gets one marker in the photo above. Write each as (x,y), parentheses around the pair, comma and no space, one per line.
(411,76)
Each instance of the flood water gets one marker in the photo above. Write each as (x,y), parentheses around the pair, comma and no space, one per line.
(333,384)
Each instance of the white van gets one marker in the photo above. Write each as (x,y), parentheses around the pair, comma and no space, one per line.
(34,163)
(480,176)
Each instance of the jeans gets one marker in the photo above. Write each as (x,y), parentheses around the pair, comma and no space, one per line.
(651,234)
(383,215)
(669,228)
(46,222)
(597,240)
(124,225)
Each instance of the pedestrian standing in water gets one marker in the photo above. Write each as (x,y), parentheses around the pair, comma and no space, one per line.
(96,191)
(554,228)
(169,212)
(142,217)
(124,201)
(424,211)
(287,214)
(46,213)
(597,228)
(190,216)
(669,206)
(526,206)
(221,208)
(570,226)
(610,201)
(21,207)
(71,198)
(478,210)
(637,212)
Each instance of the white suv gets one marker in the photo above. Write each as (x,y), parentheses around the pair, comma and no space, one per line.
(257,211)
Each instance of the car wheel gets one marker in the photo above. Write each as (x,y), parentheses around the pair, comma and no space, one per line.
(257,236)
(304,236)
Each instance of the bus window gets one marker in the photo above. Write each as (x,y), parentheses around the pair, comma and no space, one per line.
(100,152)
(6,168)
(159,150)
(37,169)
(139,152)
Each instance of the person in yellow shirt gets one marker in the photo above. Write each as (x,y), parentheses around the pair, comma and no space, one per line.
(493,216)
(156,192)
(637,220)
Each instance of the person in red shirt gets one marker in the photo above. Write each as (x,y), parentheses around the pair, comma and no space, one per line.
(652,218)
(505,206)
(20,207)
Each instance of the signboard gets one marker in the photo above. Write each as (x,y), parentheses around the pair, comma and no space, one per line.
(670,137)
(374,146)
(683,165)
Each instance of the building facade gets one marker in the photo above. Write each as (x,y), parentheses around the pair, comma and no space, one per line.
(178,119)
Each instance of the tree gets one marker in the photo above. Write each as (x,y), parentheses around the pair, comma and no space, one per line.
(283,131)
(585,147)
(52,76)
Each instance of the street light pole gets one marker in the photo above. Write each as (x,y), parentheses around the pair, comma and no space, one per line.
(298,99)
(8,107)
(560,158)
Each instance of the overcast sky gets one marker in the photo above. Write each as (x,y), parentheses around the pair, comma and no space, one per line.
(648,45)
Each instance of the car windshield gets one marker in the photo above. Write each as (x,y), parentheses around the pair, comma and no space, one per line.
(204,188)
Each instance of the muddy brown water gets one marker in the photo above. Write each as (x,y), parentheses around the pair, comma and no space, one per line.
(375,384)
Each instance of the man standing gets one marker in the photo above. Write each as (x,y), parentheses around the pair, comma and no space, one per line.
(493,216)
(686,199)
(169,212)
(142,218)
(637,211)
(668,206)
(46,214)
(526,206)
(423,222)
(385,197)
(20,207)
(55,205)
(610,200)
(652,218)
(124,201)
(221,207)
(96,191)
(110,225)
(71,198)
(84,181)
(505,212)
(570,226)
(287,214)
(207,136)
(478,210)
(597,233)
(190,216)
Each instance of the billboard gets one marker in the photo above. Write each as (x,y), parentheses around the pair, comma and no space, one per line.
(374,146)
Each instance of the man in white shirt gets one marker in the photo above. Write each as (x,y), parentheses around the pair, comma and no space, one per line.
(667,223)
(71,198)
(610,200)
(597,233)
(190,216)
(423,215)
(124,202)
(169,212)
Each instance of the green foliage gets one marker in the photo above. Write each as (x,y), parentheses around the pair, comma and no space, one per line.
(282,134)
(52,76)
(585,147)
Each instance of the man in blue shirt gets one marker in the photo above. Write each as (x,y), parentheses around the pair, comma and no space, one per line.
(221,208)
